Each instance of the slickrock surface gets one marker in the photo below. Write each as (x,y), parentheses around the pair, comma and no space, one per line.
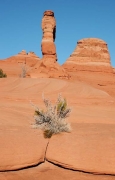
(20,145)
(12,66)
(90,54)
(48,67)
(99,80)
(84,148)
(89,147)
(49,171)
(92,121)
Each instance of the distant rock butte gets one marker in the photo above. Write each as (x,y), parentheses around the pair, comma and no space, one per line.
(48,67)
(90,54)
(30,54)
(23,52)
(12,65)
(22,57)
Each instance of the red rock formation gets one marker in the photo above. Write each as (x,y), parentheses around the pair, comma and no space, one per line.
(90,54)
(23,52)
(49,33)
(48,67)
(30,58)
(92,121)
(22,57)
(12,65)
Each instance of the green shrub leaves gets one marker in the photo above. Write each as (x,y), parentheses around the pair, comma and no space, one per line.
(2,74)
(52,120)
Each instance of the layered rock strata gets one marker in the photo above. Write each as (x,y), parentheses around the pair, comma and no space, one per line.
(23,57)
(90,54)
(48,67)
(49,33)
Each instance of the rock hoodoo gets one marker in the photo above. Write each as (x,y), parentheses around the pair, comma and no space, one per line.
(48,67)
(90,54)
(49,33)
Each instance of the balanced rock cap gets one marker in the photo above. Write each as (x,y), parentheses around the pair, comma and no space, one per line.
(48,13)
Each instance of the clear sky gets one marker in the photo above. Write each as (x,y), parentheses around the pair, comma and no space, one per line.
(20,25)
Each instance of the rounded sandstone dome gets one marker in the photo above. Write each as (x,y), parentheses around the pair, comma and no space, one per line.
(90,52)
(92,41)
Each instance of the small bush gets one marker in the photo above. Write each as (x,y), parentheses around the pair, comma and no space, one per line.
(2,74)
(52,120)
(23,71)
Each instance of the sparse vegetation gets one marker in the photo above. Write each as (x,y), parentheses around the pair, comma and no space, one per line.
(23,71)
(2,74)
(52,120)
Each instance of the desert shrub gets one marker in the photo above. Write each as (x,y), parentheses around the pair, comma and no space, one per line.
(2,74)
(23,71)
(52,119)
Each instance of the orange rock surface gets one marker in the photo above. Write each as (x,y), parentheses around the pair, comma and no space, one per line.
(48,67)
(88,148)
(12,66)
(49,34)
(90,54)
(88,152)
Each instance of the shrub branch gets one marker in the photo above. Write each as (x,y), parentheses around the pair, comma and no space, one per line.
(52,120)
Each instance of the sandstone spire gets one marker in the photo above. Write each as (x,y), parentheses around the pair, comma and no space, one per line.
(49,33)
(49,67)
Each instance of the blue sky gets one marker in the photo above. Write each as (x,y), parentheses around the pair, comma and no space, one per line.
(20,25)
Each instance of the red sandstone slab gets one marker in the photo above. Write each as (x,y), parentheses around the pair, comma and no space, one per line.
(16,115)
(48,171)
(20,145)
(89,148)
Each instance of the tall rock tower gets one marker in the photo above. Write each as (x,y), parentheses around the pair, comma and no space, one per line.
(48,66)
(49,33)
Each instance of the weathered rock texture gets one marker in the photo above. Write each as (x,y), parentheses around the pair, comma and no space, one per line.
(90,54)
(49,33)
(28,58)
(48,67)
(90,147)
(12,66)
(114,70)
